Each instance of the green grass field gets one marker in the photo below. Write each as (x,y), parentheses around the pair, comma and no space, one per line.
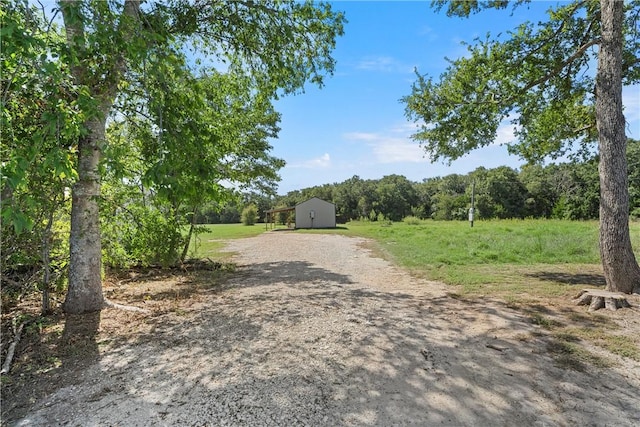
(511,259)
(209,243)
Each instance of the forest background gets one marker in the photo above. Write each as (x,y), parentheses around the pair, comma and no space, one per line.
(560,191)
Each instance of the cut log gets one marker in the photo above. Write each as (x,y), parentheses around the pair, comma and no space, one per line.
(584,298)
(111,304)
(6,366)
(597,299)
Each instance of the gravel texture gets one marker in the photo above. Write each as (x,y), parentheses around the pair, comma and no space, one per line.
(313,330)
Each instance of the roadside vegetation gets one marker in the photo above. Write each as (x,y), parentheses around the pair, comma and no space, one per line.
(497,257)
(556,191)
(209,243)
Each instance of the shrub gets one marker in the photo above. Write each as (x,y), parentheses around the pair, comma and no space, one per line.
(142,235)
(249,215)
(383,220)
(411,220)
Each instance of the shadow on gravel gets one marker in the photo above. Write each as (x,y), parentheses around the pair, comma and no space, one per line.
(317,352)
(288,272)
(377,358)
(47,364)
(79,339)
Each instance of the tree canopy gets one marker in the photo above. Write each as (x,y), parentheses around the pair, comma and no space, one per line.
(166,104)
(568,190)
(540,77)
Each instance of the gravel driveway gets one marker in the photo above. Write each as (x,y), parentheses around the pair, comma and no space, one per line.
(314,330)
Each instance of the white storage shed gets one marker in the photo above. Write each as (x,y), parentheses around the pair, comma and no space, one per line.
(315,213)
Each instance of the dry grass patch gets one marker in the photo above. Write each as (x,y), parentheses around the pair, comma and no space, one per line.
(570,355)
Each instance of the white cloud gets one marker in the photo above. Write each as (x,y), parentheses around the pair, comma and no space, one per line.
(406,128)
(395,145)
(383,63)
(361,136)
(397,150)
(504,134)
(390,147)
(428,32)
(321,162)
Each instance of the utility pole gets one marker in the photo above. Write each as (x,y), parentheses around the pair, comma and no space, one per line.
(473,202)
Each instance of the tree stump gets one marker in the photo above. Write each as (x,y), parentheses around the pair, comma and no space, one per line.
(597,299)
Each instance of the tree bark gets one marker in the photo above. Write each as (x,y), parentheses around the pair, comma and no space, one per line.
(85,278)
(185,249)
(85,264)
(46,255)
(621,270)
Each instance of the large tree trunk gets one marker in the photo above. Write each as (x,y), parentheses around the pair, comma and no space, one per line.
(85,263)
(621,270)
(85,278)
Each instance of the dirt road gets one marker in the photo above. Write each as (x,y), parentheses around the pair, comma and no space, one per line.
(314,330)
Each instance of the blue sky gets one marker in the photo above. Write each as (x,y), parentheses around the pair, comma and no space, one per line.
(355,125)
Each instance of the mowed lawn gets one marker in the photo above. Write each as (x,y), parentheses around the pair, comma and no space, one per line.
(510,259)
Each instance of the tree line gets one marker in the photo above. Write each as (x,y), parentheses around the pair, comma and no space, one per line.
(563,191)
